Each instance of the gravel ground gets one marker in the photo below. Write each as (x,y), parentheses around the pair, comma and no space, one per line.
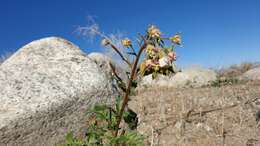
(216,116)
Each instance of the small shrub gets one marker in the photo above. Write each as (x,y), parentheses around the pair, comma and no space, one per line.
(224,81)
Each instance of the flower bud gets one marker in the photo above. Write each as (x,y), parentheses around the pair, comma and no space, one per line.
(126,42)
(172,56)
(176,39)
(105,42)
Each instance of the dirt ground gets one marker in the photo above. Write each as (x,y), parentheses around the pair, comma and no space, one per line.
(215,116)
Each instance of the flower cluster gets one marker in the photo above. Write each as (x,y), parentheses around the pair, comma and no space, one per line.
(159,57)
(154,32)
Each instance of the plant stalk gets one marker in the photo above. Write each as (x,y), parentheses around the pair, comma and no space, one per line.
(125,100)
(120,54)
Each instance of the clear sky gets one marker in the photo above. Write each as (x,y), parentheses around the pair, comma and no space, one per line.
(215,32)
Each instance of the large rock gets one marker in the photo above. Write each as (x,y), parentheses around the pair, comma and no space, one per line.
(46,88)
(103,62)
(192,77)
(160,80)
(253,74)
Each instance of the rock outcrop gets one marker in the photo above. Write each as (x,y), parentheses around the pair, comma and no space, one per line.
(46,88)
(193,77)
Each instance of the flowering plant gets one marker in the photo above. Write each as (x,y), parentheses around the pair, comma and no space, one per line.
(159,57)
(106,127)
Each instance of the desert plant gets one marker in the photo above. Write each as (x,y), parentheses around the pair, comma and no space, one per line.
(106,127)
(103,125)
(159,57)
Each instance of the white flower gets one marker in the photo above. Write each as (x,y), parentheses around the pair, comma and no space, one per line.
(164,61)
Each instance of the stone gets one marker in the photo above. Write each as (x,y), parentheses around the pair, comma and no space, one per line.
(46,89)
(195,77)
(253,74)
(103,62)
(191,77)
(160,80)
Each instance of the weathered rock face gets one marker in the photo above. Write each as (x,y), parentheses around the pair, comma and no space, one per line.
(253,74)
(103,62)
(46,88)
(194,77)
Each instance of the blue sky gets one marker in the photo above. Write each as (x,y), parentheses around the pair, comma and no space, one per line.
(215,32)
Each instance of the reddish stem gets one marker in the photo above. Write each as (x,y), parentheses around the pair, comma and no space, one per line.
(125,100)
(120,54)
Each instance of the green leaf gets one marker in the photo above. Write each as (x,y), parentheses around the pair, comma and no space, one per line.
(134,83)
(154,75)
(100,108)
(132,92)
(131,119)
(121,85)
(130,138)
(69,137)
(118,103)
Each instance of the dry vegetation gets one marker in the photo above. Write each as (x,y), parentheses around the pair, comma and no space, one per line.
(217,116)
(233,74)
(237,70)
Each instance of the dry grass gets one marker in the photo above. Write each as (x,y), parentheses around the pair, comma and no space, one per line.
(216,116)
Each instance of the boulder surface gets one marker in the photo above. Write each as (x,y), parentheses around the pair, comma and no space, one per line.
(46,89)
(192,77)
(253,74)
(103,62)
